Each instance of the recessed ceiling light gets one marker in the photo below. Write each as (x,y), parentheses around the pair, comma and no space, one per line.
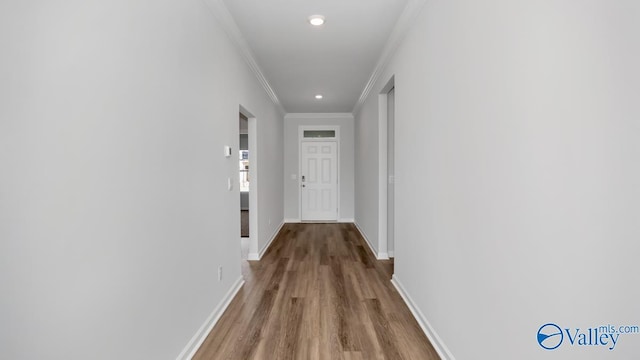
(318,96)
(316,20)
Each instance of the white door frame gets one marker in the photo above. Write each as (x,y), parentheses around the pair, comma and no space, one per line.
(383,176)
(301,138)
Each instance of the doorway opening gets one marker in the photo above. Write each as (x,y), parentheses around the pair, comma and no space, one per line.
(386,168)
(391,170)
(244,176)
(248,184)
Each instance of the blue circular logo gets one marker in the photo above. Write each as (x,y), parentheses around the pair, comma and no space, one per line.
(550,336)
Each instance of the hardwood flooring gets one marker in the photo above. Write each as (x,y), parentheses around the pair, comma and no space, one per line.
(318,293)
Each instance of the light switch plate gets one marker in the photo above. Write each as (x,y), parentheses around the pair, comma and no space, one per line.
(227,151)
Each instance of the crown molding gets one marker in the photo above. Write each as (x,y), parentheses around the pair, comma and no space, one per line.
(403,24)
(318,116)
(220,11)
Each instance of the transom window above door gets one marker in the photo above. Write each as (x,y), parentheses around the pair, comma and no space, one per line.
(316,134)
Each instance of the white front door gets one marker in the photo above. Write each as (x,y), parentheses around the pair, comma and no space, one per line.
(319,180)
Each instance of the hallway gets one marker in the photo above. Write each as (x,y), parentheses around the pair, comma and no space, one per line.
(500,174)
(318,293)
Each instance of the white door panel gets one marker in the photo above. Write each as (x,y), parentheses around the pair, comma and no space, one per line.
(319,180)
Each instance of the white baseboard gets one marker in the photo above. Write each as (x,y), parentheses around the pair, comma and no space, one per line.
(428,330)
(379,256)
(392,254)
(190,350)
(258,256)
(341,220)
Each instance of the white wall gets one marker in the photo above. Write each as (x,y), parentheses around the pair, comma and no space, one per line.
(269,156)
(366,168)
(517,179)
(291,161)
(114,212)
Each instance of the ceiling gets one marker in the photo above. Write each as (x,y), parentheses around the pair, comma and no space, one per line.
(300,60)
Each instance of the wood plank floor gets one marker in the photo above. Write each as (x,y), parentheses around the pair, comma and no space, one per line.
(318,293)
